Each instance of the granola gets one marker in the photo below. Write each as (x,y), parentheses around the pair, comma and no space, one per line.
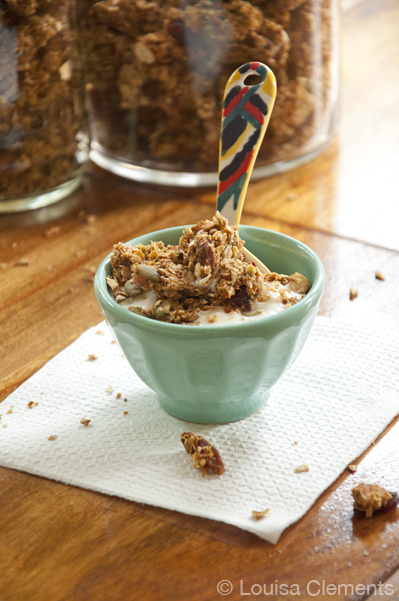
(302,468)
(204,455)
(41,97)
(156,74)
(259,515)
(353,293)
(372,497)
(207,269)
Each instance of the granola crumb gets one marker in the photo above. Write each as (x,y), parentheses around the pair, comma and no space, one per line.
(352,468)
(259,515)
(125,400)
(100,333)
(119,395)
(10,411)
(36,403)
(353,293)
(31,404)
(302,468)
(204,455)
(366,553)
(380,276)
(53,437)
(5,426)
(125,412)
(109,389)
(53,231)
(85,421)
(370,498)
(113,341)
(295,442)
(24,262)
(211,319)
(92,357)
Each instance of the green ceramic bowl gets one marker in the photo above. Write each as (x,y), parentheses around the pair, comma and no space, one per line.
(211,373)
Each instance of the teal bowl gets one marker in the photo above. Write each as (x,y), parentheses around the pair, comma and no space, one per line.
(218,373)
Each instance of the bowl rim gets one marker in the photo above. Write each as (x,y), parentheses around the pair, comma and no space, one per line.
(104,298)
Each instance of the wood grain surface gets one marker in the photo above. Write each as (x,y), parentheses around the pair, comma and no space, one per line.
(60,543)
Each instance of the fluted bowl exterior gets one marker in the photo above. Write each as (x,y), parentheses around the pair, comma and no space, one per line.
(218,373)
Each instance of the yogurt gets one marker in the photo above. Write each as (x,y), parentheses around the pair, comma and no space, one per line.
(217,315)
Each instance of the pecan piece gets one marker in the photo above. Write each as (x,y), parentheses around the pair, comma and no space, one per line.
(204,455)
(370,498)
(206,252)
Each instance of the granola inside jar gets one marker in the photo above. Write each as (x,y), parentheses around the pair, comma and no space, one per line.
(156,73)
(43,137)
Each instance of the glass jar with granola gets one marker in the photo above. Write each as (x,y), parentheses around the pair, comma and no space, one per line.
(156,73)
(43,137)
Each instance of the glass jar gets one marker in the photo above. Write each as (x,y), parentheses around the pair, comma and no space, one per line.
(43,137)
(156,73)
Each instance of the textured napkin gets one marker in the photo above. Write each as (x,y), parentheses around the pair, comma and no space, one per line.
(339,395)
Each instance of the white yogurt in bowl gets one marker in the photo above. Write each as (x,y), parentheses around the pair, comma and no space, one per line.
(217,315)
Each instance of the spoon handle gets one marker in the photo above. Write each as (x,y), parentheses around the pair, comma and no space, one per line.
(246,113)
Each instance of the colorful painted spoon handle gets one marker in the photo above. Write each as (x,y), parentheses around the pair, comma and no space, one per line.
(246,114)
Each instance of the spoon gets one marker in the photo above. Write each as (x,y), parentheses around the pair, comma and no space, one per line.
(246,114)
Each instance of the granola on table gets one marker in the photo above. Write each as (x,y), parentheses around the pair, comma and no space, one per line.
(207,269)
(372,497)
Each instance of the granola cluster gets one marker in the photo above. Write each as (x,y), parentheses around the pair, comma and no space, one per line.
(372,497)
(157,70)
(204,455)
(41,96)
(206,269)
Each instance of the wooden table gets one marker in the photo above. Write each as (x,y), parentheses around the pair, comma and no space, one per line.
(58,542)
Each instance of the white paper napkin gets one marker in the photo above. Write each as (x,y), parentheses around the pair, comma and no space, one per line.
(340,394)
